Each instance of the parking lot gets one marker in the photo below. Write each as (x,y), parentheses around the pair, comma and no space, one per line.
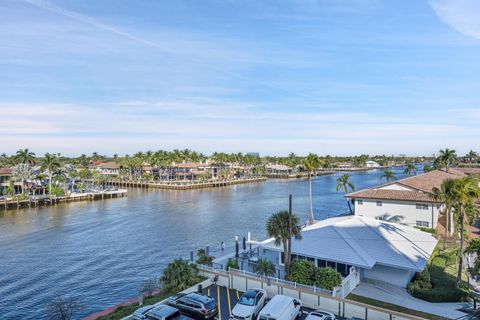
(227,298)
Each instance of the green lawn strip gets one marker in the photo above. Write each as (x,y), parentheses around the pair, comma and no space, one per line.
(394,307)
(124,311)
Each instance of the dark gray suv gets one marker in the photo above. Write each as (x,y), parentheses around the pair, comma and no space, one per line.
(197,305)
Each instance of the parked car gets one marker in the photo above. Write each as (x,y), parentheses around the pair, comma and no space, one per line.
(281,308)
(320,315)
(164,312)
(139,314)
(249,305)
(195,304)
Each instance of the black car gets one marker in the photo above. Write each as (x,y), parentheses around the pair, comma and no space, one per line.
(195,304)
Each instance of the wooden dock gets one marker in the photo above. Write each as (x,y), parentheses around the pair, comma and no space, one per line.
(190,185)
(39,201)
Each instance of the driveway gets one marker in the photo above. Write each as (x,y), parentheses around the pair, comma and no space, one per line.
(402,298)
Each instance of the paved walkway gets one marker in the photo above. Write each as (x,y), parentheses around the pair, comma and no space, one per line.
(400,297)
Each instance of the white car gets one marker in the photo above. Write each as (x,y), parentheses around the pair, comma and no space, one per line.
(249,304)
(281,307)
(320,315)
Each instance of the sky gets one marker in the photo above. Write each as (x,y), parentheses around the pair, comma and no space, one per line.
(336,77)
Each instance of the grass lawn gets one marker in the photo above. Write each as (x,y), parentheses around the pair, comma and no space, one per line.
(123,311)
(394,307)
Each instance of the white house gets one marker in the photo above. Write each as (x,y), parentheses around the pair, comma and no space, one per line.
(108,168)
(406,201)
(379,250)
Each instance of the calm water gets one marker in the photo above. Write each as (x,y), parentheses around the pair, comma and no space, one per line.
(101,251)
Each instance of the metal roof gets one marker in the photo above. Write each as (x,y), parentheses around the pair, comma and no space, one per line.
(364,242)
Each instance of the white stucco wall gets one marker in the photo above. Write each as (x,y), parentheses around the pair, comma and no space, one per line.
(396,186)
(407,210)
(390,275)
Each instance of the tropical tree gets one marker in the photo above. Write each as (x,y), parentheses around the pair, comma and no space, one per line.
(446,195)
(24,156)
(311,163)
(388,175)
(22,173)
(179,275)
(473,248)
(50,164)
(471,156)
(344,183)
(466,190)
(447,157)
(282,227)
(265,267)
(410,169)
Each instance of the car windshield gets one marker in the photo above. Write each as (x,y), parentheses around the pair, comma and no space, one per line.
(210,305)
(248,298)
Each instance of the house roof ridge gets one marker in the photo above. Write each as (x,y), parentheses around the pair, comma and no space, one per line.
(394,245)
(364,256)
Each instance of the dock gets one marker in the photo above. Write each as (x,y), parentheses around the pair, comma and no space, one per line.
(183,185)
(41,200)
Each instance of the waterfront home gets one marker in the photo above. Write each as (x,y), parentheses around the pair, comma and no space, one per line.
(5,176)
(278,170)
(107,168)
(406,201)
(379,251)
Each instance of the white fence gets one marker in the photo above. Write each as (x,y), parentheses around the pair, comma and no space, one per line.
(313,298)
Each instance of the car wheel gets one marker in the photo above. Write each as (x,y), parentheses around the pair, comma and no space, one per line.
(300,313)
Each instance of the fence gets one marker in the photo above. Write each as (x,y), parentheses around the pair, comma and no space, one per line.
(314,298)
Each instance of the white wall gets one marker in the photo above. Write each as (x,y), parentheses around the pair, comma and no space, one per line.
(407,210)
(390,275)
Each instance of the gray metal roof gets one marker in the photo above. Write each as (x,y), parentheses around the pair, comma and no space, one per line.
(364,242)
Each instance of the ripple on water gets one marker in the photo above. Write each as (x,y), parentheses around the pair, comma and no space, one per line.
(101,251)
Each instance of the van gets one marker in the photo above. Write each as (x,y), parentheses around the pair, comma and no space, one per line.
(281,308)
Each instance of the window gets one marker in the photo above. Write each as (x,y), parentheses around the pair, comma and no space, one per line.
(360,202)
(282,258)
(379,203)
(332,264)
(342,268)
(321,263)
(422,224)
(421,206)
(311,259)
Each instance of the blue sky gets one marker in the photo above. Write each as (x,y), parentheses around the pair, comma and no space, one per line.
(327,76)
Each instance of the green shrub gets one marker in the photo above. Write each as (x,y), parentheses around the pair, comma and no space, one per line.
(232,263)
(179,275)
(203,258)
(421,280)
(327,278)
(428,230)
(302,271)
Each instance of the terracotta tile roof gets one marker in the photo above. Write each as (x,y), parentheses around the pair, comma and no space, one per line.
(469,170)
(109,165)
(427,181)
(422,183)
(383,194)
(6,171)
(190,165)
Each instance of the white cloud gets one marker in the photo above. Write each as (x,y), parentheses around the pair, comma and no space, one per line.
(462,15)
(221,125)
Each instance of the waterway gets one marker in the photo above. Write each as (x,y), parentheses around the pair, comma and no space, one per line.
(100,251)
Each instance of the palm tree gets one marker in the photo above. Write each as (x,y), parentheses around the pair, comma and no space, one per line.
(265,267)
(474,248)
(344,183)
(466,190)
(178,275)
(282,227)
(446,195)
(447,157)
(410,169)
(471,156)
(311,163)
(388,175)
(51,165)
(24,156)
